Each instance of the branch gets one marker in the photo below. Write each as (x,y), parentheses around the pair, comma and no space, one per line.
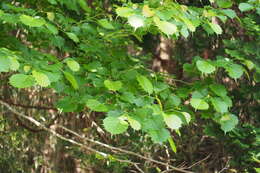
(37,123)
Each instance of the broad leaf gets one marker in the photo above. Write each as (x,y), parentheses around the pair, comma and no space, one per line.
(228,122)
(216,28)
(113,85)
(71,79)
(73,65)
(105,24)
(4,64)
(32,21)
(147,12)
(21,81)
(218,89)
(167,27)
(224,3)
(134,123)
(235,71)
(136,21)
(245,7)
(219,105)
(199,104)
(41,78)
(95,105)
(115,125)
(159,136)
(145,83)
(73,37)
(205,67)
(172,121)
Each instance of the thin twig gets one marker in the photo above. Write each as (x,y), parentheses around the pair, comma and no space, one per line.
(37,123)
(139,169)
(123,151)
(199,161)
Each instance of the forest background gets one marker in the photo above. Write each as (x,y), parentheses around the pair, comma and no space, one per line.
(129,86)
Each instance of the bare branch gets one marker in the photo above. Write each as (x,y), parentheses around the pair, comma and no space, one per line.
(37,123)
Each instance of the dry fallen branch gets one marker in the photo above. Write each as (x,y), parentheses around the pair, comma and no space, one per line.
(37,123)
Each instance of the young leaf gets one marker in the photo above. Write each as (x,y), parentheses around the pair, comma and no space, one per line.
(105,24)
(136,21)
(32,21)
(199,104)
(172,121)
(124,11)
(216,28)
(4,64)
(115,125)
(21,81)
(95,105)
(73,65)
(218,89)
(71,79)
(134,123)
(224,3)
(235,71)
(219,105)
(245,7)
(147,12)
(14,63)
(113,85)
(228,122)
(52,28)
(41,78)
(167,27)
(230,13)
(73,37)
(172,144)
(145,83)
(205,67)
(159,136)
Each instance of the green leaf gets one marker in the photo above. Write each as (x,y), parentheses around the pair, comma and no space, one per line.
(113,85)
(83,4)
(124,11)
(105,24)
(167,27)
(216,28)
(159,136)
(235,71)
(224,3)
(134,123)
(67,105)
(245,7)
(174,100)
(32,21)
(71,79)
(219,105)
(172,144)
(52,28)
(199,104)
(4,64)
(136,21)
(145,83)
(73,65)
(172,121)
(95,105)
(115,125)
(21,81)
(187,117)
(218,89)
(73,37)
(228,122)
(230,13)
(205,67)
(14,63)
(41,78)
